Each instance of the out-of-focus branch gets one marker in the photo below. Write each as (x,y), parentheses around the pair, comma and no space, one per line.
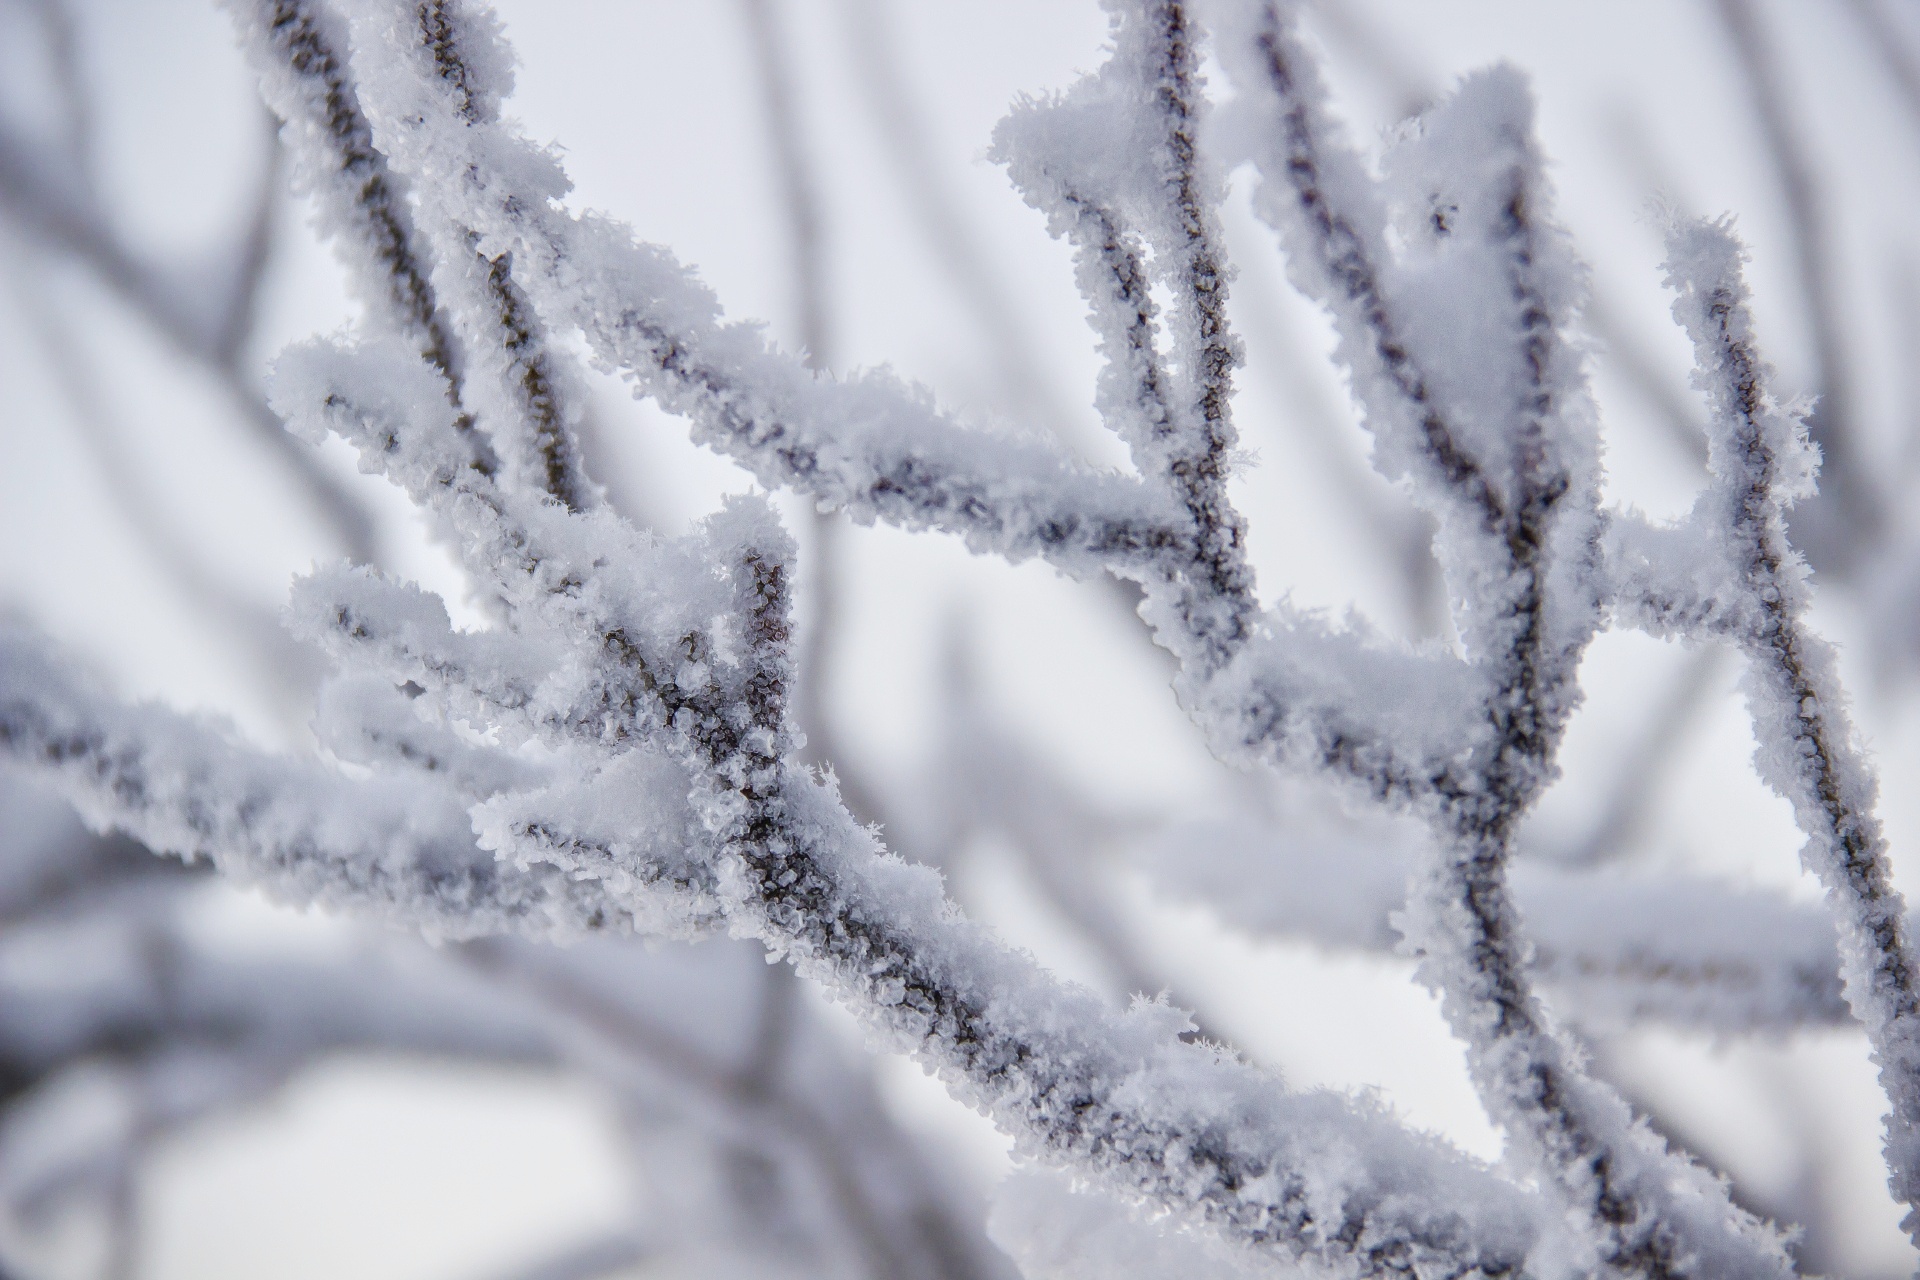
(285,666)
(799,193)
(1614,948)
(613,1254)
(1409,86)
(899,116)
(240,313)
(984,783)
(1849,514)
(1906,295)
(756,1108)
(53,209)
(1672,411)
(807,255)
(75,120)
(186,1029)
(1895,49)
(1636,787)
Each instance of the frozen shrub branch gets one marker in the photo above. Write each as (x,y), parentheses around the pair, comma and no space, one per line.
(1761,461)
(1506,463)
(1612,948)
(617,750)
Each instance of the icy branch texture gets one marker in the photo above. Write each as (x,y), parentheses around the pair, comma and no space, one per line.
(616,750)
(1761,461)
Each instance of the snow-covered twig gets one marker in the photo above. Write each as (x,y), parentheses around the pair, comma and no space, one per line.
(1505,458)
(1850,511)
(617,748)
(808,253)
(1613,948)
(1762,461)
(696,666)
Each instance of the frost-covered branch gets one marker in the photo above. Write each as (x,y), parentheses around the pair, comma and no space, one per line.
(692,672)
(616,749)
(1502,451)
(867,444)
(306,82)
(1612,948)
(1850,511)
(1167,384)
(1762,462)
(389,846)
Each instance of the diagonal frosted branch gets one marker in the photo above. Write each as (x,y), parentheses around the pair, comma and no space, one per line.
(298,49)
(866,443)
(524,388)
(395,849)
(1073,1080)
(1452,295)
(1151,221)
(1809,751)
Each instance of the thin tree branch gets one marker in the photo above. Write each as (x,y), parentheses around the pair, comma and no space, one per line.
(1849,514)
(1811,754)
